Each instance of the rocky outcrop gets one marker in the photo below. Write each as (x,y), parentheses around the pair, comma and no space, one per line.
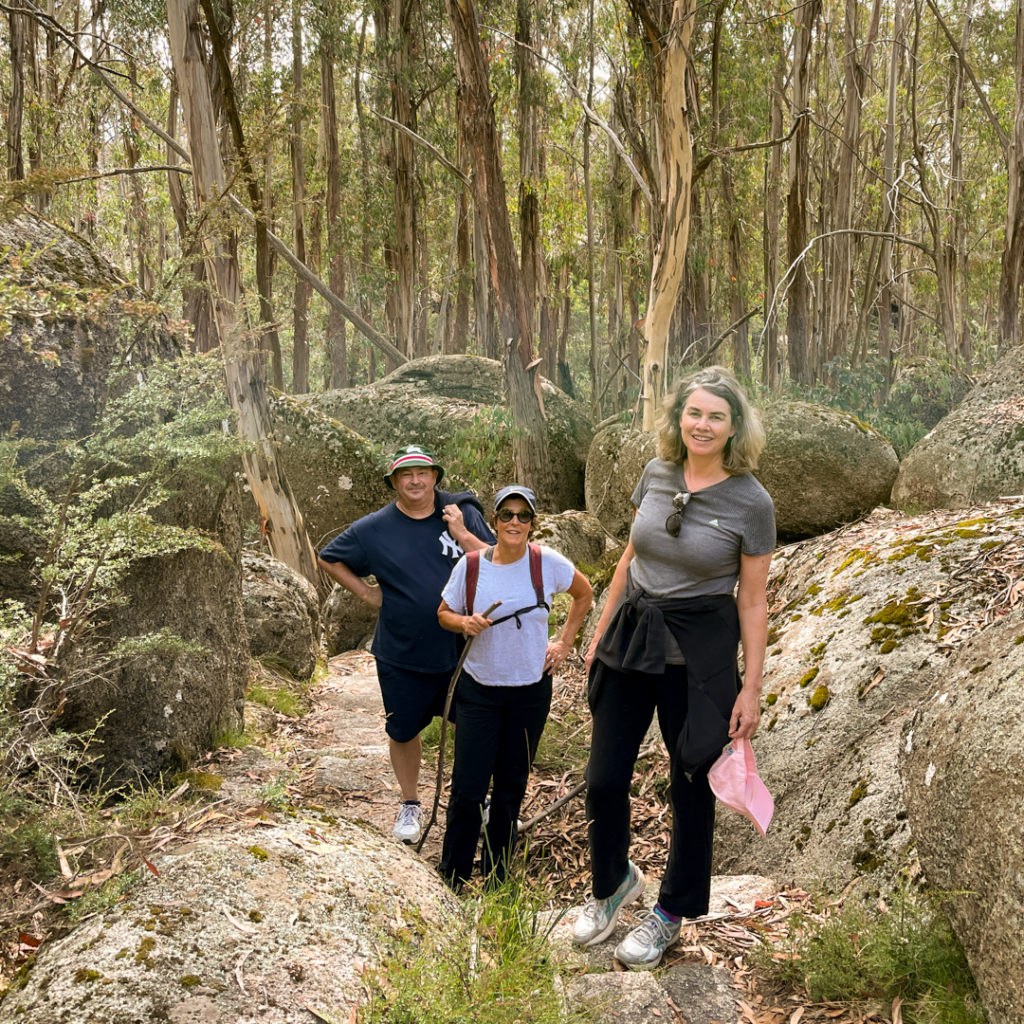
(577,535)
(282,614)
(163,678)
(862,622)
(348,622)
(976,453)
(240,925)
(823,467)
(455,406)
(964,771)
(615,461)
(54,368)
(335,473)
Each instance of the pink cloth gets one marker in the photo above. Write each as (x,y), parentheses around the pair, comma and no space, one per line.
(734,780)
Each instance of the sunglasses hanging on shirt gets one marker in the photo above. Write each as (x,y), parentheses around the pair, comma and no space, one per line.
(675,520)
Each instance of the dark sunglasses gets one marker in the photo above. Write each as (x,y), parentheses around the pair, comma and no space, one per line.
(526,516)
(675,520)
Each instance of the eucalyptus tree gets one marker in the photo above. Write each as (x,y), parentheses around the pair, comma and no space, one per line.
(480,137)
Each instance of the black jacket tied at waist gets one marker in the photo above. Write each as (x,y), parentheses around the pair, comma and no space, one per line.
(707,630)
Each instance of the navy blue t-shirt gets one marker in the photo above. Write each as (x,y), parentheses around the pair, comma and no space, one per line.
(412,560)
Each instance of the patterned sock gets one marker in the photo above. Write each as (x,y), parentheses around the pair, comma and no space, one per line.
(665,915)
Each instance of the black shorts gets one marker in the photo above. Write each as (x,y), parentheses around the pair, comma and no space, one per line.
(411,699)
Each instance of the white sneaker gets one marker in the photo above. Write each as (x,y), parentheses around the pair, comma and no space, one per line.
(408,823)
(597,919)
(643,948)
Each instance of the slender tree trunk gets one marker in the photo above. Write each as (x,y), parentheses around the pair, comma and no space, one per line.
(270,339)
(675,166)
(459,336)
(401,159)
(196,301)
(337,329)
(890,199)
(245,384)
(730,220)
(480,136)
(595,361)
(300,301)
(19,25)
(798,294)
(1011,274)
(771,221)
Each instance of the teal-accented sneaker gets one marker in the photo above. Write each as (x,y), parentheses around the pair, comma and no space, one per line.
(597,919)
(643,948)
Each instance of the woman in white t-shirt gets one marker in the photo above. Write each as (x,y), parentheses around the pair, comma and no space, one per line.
(504,693)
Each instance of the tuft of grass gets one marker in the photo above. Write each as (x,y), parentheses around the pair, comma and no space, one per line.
(908,951)
(492,962)
(285,700)
(102,898)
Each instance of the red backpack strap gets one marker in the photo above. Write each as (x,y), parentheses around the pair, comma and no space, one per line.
(536,576)
(472,575)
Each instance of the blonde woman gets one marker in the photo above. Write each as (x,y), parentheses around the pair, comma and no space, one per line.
(687,591)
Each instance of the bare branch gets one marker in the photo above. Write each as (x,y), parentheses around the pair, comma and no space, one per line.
(429,146)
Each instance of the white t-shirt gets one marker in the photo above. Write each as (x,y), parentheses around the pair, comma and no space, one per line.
(505,655)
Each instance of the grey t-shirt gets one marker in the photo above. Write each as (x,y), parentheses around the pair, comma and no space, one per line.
(721,522)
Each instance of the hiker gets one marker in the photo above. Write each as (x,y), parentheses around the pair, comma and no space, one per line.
(410,546)
(504,692)
(667,641)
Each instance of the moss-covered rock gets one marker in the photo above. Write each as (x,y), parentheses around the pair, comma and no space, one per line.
(976,453)
(282,614)
(862,629)
(823,467)
(455,406)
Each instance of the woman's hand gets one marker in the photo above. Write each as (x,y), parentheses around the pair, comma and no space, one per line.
(746,714)
(558,651)
(588,658)
(474,625)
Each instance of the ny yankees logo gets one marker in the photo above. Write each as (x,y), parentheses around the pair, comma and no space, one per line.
(448,546)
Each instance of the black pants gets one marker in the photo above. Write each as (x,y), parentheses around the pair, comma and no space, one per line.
(623,705)
(497,729)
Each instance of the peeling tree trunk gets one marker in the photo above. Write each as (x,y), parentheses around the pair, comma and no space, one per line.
(675,166)
(242,368)
(480,137)
(1012,269)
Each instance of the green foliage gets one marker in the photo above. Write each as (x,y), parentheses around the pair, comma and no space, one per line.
(481,450)
(908,951)
(275,794)
(167,428)
(492,962)
(902,413)
(102,898)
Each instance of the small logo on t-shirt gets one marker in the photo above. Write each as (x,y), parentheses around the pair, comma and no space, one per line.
(449,547)
(713,522)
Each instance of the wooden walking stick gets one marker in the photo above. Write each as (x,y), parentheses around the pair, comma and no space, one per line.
(444,733)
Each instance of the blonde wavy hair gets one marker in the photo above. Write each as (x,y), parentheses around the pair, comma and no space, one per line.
(742,449)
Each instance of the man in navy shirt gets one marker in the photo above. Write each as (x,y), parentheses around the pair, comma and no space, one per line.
(410,546)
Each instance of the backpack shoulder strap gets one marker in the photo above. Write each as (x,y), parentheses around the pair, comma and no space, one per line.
(536,575)
(472,575)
